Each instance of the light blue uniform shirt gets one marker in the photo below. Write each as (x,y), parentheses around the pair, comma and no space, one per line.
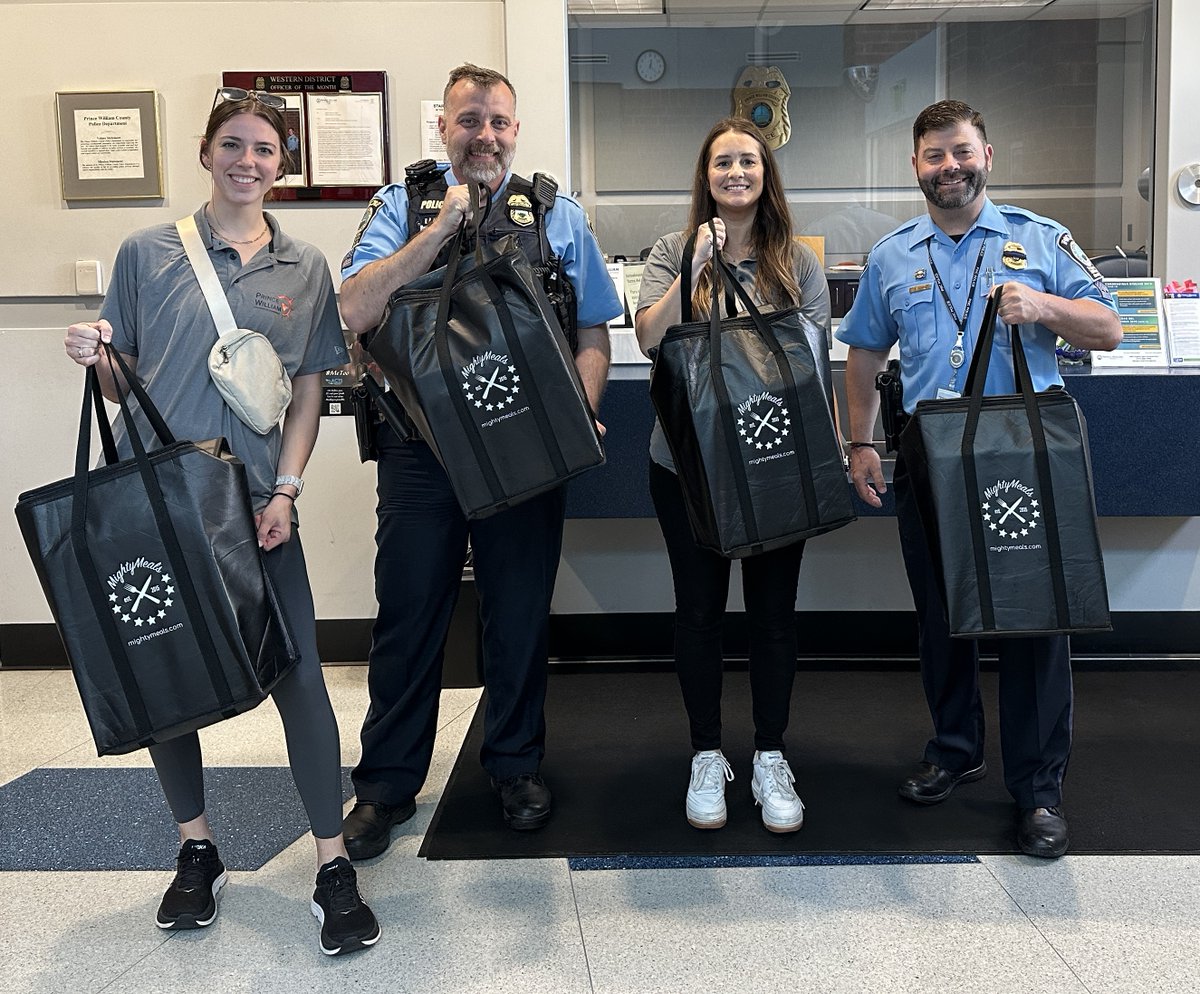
(898,298)
(384,229)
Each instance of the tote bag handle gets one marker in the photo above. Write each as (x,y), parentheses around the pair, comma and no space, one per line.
(685,281)
(976,382)
(87,566)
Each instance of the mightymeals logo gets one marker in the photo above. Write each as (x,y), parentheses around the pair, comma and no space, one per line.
(491,384)
(1011,513)
(141,593)
(763,421)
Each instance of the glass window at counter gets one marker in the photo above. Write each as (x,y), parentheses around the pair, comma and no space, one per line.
(1067,97)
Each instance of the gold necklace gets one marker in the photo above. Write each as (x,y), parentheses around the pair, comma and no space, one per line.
(233,241)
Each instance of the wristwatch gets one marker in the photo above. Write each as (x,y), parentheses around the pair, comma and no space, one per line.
(294,481)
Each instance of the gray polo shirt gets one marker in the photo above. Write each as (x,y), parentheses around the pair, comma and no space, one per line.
(662,266)
(158,313)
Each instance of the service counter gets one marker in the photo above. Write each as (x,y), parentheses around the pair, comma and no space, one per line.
(1142,427)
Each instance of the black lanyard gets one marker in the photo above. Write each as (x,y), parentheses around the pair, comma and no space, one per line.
(957,355)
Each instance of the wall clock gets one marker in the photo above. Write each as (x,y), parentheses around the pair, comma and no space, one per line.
(651,66)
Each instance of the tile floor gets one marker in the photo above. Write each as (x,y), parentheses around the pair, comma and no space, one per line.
(1086,924)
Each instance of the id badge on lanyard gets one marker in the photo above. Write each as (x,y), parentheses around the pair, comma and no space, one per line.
(958,354)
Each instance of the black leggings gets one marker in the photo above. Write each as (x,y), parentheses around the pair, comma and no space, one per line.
(701,581)
(309,725)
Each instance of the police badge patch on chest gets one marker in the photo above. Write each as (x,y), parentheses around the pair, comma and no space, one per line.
(1014,256)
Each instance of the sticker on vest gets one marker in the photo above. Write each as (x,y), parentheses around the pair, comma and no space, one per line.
(1011,514)
(140,592)
(491,385)
(520,210)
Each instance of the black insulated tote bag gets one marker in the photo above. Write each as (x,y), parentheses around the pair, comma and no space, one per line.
(477,358)
(1004,487)
(745,404)
(152,569)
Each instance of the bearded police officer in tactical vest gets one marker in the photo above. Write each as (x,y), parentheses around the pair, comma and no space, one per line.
(924,287)
(422,534)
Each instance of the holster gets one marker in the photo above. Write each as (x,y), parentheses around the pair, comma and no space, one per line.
(891,404)
(374,406)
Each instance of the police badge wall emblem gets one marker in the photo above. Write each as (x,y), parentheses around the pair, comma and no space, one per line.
(760,96)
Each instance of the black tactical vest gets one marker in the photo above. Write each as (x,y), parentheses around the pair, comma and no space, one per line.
(520,211)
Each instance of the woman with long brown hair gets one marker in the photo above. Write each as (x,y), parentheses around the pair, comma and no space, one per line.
(737,190)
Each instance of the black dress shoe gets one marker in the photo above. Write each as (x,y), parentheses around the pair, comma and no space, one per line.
(932,785)
(1042,832)
(525,799)
(368,826)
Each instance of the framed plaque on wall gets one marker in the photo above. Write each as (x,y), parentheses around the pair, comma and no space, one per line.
(108,145)
(337,131)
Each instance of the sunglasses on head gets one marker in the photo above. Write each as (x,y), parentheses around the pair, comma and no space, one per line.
(236,93)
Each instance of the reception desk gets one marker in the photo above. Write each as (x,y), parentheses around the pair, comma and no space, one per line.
(1143,426)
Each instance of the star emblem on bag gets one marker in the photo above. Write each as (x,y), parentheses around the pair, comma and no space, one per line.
(141,593)
(490,383)
(763,422)
(1010,510)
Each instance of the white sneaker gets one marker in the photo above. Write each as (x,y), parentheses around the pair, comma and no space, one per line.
(706,789)
(782,810)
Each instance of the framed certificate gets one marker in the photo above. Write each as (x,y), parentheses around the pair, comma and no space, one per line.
(108,145)
(337,133)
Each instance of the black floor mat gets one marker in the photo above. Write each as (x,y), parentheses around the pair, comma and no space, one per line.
(618,762)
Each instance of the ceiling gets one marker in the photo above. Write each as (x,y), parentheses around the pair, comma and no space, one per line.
(659,13)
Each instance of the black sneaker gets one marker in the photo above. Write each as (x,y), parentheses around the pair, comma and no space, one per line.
(347,923)
(191,900)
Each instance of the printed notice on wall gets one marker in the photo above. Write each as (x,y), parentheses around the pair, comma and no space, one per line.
(108,143)
(345,139)
(1143,328)
(432,145)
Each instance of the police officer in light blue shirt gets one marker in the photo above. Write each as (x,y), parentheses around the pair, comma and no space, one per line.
(422,534)
(924,287)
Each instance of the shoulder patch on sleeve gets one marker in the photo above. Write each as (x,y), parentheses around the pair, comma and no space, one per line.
(1071,247)
(368,215)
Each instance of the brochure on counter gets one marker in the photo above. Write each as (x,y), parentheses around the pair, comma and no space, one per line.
(1181,303)
(1143,325)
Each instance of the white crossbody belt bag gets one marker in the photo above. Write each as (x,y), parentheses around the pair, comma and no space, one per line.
(243,364)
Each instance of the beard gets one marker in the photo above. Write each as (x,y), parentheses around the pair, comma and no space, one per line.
(975,181)
(475,172)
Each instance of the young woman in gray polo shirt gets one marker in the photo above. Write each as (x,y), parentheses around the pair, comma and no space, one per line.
(737,186)
(156,317)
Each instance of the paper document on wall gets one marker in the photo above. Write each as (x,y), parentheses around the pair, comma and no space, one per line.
(347,138)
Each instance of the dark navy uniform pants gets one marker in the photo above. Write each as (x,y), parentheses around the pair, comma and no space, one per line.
(1036,697)
(421,541)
